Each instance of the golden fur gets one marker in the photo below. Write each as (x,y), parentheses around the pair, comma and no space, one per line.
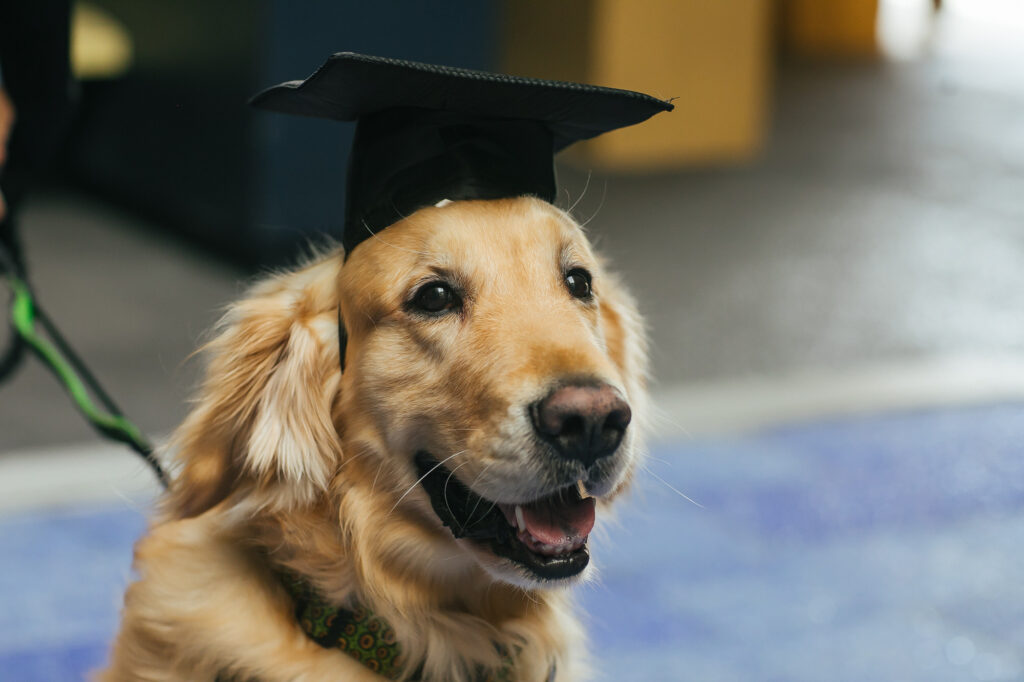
(286,461)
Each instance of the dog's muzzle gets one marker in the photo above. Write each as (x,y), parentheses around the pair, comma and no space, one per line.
(547,537)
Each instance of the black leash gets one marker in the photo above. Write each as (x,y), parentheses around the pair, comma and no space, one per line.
(27,318)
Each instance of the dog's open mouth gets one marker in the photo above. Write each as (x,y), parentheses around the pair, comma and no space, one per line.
(547,537)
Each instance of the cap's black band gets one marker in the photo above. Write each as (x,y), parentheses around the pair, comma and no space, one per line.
(442,155)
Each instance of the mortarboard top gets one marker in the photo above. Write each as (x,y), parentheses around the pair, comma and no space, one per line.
(426,133)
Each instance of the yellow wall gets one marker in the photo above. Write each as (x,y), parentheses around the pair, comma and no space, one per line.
(712,56)
(830,27)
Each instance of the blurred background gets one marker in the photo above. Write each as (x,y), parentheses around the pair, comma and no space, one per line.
(826,237)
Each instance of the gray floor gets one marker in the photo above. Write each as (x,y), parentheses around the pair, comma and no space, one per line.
(884,222)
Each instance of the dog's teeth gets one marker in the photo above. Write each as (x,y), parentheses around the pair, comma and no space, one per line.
(582,488)
(520,521)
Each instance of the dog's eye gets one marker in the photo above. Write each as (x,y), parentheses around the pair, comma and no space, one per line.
(435,297)
(577,281)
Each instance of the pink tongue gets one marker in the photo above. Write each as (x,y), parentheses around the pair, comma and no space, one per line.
(557,522)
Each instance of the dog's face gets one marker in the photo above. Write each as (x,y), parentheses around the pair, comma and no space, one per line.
(490,353)
(493,382)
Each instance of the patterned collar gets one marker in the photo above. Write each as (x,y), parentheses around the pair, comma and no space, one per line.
(361,634)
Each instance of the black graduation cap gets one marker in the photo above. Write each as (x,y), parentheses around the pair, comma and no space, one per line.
(425,133)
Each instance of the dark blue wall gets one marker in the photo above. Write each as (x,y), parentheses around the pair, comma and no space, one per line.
(300,163)
(175,139)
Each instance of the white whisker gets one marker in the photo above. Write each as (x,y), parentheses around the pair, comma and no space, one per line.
(666,422)
(373,486)
(586,186)
(377,236)
(604,195)
(446,481)
(422,478)
(478,498)
(673,489)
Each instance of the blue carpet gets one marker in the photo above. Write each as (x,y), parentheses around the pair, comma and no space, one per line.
(878,548)
(62,577)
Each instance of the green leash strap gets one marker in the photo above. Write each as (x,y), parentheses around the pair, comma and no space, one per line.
(62,361)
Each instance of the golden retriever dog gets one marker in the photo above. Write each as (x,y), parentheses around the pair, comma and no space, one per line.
(422,429)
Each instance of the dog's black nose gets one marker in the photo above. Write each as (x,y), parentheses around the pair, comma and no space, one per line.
(584,423)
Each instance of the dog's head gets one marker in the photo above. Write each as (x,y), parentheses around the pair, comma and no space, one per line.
(493,380)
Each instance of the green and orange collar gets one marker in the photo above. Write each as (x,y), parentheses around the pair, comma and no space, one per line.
(362,635)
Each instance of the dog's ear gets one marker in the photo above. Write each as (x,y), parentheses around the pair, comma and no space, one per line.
(263,420)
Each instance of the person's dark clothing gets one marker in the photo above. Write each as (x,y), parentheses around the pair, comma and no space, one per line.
(36,70)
